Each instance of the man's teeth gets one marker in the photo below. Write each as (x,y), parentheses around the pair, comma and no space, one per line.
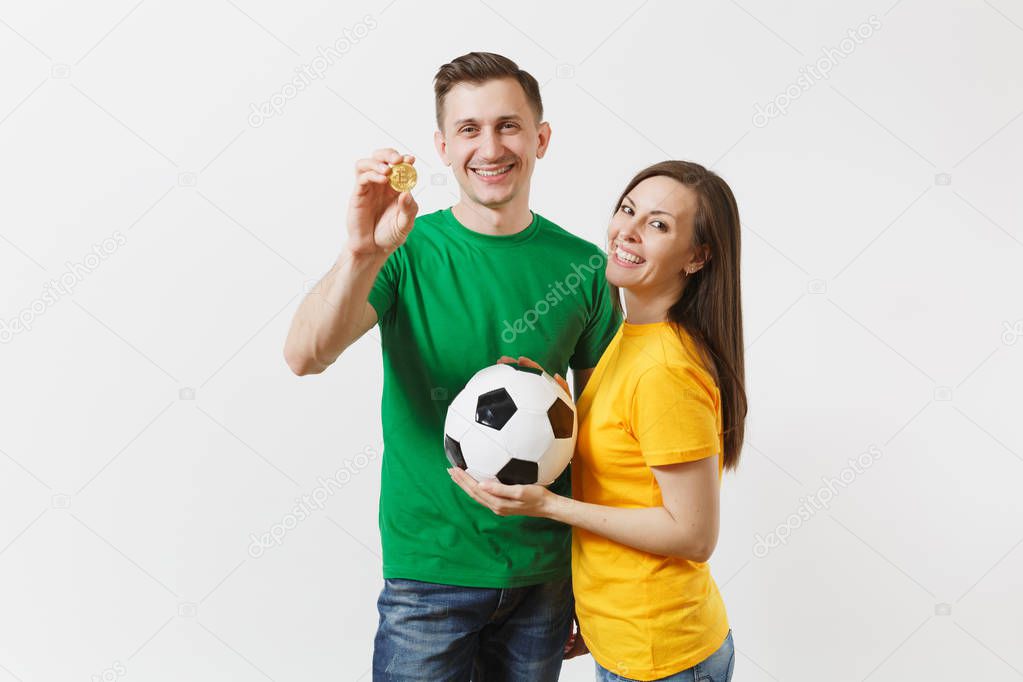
(491,173)
(626,256)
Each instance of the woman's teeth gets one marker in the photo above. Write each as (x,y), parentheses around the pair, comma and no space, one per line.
(492,173)
(626,256)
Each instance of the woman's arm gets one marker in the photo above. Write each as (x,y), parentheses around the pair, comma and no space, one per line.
(685,526)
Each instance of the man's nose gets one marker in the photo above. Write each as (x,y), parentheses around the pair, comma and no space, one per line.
(490,145)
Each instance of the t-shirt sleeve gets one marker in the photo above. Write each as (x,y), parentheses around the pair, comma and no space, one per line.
(385,288)
(673,415)
(600,328)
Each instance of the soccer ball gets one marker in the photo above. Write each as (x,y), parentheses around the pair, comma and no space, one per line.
(512,423)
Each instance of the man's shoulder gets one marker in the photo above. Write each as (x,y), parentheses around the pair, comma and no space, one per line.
(433,219)
(562,238)
(426,233)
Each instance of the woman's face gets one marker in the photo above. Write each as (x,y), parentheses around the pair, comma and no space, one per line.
(650,236)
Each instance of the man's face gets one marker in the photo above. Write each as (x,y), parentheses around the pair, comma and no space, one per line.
(491,139)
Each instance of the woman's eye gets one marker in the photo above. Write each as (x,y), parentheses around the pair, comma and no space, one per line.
(657,224)
(627,210)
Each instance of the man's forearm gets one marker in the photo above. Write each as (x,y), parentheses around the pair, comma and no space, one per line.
(328,320)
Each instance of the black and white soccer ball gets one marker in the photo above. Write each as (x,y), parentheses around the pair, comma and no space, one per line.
(512,423)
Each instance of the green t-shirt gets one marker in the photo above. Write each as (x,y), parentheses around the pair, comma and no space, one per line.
(450,302)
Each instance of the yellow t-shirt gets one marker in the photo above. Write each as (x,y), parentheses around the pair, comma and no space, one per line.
(649,402)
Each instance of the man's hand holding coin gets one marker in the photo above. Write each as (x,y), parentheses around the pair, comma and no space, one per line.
(381,212)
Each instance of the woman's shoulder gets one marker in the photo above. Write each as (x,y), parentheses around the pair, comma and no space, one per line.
(677,355)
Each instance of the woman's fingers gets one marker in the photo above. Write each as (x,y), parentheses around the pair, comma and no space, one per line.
(470,486)
(578,648)
(459,477)
(526,362)
(498,489)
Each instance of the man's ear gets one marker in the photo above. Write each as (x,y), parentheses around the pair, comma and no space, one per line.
(544,133)
(442,147)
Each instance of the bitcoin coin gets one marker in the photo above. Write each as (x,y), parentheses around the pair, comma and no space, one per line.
(403,177)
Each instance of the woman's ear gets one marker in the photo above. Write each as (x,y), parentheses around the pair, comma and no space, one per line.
(701,258)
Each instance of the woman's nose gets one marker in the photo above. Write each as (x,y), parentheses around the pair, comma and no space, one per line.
(627,232)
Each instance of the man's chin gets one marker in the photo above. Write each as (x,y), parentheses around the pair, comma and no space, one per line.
(492,199)
(496,201)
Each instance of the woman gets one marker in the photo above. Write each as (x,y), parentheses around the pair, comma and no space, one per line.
(660,419)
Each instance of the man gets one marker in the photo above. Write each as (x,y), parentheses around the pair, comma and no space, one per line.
(466,593)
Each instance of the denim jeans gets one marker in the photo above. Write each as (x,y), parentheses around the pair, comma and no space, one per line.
(445,633)
(715,668)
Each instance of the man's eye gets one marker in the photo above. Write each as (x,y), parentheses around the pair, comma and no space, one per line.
(468,129)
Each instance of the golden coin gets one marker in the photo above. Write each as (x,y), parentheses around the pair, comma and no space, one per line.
(403,177)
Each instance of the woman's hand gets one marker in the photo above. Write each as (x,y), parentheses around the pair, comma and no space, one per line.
(506,500)
(575,645)
(526,362)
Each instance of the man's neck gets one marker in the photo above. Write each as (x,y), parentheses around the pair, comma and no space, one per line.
(499,221)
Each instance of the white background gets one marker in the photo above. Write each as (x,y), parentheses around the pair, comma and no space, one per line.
(148,423)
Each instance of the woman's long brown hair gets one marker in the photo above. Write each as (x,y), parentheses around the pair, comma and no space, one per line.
(710,307)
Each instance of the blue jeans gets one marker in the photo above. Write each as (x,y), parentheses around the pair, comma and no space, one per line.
(443,633)
(715,668)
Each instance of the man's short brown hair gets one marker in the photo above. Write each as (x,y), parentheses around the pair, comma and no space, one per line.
(479,67)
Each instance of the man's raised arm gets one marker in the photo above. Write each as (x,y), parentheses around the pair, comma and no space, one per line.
(336,313)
